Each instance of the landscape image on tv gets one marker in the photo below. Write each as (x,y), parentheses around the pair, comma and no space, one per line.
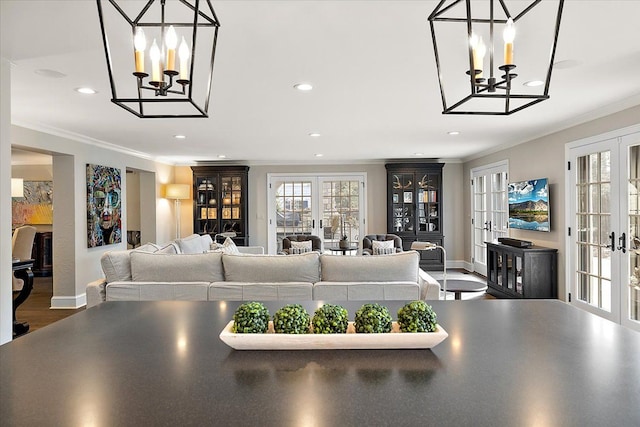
(529,205)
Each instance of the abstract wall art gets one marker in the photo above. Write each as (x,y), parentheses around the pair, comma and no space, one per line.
(36,206)
(104,206)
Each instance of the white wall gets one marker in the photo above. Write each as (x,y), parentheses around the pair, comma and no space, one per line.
(544,157)
(75,265)
(6,312)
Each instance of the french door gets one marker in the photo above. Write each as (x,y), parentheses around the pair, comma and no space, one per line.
(489,205)
(327,206)
(604,221)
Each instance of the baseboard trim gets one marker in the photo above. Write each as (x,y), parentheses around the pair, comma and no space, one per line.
(465,265)
(68,303)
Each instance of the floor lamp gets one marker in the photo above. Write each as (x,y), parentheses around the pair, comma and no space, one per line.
(428,246)
(177,192)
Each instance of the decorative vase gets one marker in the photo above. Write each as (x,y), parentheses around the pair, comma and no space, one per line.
(344,244)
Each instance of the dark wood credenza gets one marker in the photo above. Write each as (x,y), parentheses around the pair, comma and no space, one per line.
(42,254)
(516,272)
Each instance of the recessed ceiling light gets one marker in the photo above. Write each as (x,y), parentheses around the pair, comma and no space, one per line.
(86,90)
(533,83)
(305,87)
(222,156)
(314,134)
(418,154)
(179,136)
(52,74)
(453,133)
(319,155)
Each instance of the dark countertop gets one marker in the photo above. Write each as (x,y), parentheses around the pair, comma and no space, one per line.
(505,363)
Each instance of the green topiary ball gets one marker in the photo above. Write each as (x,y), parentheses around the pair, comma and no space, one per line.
(417,316)
(251,318)
(330,319)
(291,319)
(373,318)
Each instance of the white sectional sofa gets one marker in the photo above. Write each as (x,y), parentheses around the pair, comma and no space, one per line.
(139,276)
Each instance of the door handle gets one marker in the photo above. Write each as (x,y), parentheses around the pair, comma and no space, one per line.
(320,223)
(623,243)
(487,226)
(313,223)
(612,245)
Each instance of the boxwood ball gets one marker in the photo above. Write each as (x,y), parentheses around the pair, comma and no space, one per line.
(330,319)
(417,316)
(251,318)
(373,318)
(291,319)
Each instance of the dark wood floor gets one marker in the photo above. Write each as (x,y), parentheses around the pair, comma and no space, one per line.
(36,309)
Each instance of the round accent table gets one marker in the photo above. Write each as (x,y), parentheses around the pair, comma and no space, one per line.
(457,286)
(343,250)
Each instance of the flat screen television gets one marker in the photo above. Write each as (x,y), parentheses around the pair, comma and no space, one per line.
(529,205)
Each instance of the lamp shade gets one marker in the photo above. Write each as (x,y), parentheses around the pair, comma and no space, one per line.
(17,187)
(177,191)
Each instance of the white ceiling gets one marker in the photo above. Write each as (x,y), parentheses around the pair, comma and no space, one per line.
(375,96)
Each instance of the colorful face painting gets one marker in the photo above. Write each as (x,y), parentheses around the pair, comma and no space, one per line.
(104,207)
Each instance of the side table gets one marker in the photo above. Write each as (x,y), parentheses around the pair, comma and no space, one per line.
(343,250)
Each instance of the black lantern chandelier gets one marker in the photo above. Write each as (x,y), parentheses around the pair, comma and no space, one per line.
(494,90)
(181,55)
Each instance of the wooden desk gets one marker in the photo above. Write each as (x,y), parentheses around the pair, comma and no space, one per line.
(22,270)
(505,363)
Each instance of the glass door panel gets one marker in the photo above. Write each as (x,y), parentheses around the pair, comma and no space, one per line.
(341,216)
(293,209)
(593,240)
(631,260)
(490,212)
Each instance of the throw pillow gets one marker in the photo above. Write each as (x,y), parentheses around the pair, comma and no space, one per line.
(229,247)
(300,247)
(383,247)
(171,249)
(148,247)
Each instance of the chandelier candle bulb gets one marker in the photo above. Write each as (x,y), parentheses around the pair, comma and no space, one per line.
(171,41)
(509,35)
(154,54)
(183,53)
(479,50)
(140,44)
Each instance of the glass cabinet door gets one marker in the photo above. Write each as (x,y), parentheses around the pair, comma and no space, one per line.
(231,212)
(206,205)
(403,203)
(428,202)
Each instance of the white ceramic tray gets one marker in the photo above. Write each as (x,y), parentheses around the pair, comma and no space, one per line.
(351,340)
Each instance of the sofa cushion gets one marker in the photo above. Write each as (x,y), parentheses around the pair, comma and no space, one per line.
(157,291)
(398,267)
(116,265)
(205,267)
(272,268)
(255,291)
(361,291)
